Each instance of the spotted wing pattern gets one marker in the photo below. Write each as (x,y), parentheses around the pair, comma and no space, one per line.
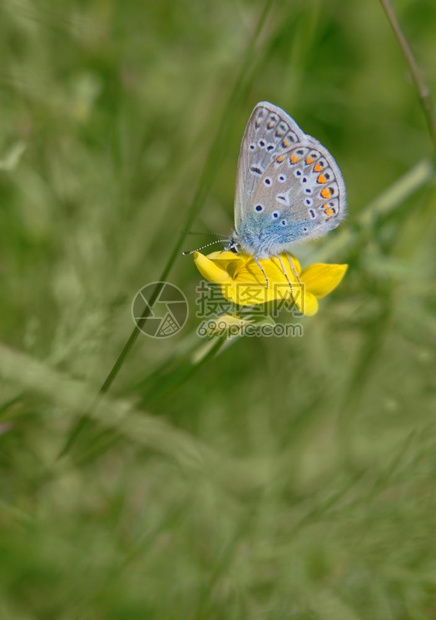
(269,133)
(306,181)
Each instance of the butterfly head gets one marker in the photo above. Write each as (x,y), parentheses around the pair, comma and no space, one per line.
(233,245)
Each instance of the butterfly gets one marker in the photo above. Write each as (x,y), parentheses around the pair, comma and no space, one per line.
(288,188)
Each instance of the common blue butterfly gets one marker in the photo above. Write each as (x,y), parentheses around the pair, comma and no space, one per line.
(288,188)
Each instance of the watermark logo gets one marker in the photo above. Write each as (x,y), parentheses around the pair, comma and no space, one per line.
(233,318)
(211,303)
(221,327)
(160,309)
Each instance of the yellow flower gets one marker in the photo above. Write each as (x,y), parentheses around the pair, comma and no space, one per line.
(242,281)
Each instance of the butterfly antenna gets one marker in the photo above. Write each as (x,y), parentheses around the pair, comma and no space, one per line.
(187,252)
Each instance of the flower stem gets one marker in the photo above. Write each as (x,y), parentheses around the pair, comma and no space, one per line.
(417,77)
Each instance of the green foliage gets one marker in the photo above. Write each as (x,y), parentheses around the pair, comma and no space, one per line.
(274,478)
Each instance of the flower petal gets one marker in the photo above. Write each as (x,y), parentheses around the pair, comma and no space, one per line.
(246,294)
(249,270)
(244,282)
(255,285)
(210,270)
(229,261)
(310,304)
(226,255)
(305,301)
(320,279)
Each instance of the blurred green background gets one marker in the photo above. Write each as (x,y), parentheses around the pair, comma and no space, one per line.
(281,478)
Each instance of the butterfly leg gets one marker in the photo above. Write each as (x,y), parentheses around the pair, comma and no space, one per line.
(294,271)
(286,275)
(263,271)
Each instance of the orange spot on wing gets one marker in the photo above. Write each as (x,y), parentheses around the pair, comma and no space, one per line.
(321,179)
(325,193)
(317,168)
(309,160)
(328,211)
(294,159)
(280,159)
(286,143)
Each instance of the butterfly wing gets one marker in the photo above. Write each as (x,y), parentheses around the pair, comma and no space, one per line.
(269,132)
(296,193)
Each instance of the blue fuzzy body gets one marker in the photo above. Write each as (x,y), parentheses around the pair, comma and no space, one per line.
(262,236)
